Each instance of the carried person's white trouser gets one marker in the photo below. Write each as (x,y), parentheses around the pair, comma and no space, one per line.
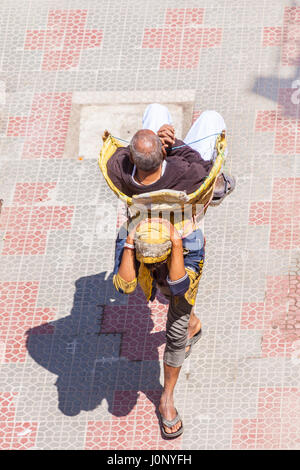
(208,123)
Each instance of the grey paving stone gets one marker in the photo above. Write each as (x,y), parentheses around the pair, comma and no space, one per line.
(70,376)
(61,435)
(218,402)
(205,434)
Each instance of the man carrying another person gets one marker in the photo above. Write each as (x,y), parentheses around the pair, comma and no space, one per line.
(153,254)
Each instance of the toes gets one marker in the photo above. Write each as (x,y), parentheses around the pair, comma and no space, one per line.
(176,427)
(173,428)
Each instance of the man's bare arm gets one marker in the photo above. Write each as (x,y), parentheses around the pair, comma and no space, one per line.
(127,267)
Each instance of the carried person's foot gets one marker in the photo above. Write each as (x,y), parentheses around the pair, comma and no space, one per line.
(224,186)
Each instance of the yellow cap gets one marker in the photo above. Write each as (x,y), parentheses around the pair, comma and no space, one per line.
(152,241)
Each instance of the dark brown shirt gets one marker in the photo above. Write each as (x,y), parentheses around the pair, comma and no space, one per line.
(185,171)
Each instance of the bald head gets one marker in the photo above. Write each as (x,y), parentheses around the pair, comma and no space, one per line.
(145,147)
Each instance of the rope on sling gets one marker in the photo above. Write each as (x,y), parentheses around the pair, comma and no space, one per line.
(179,146)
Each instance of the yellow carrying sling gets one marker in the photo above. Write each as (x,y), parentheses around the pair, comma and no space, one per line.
(158,202)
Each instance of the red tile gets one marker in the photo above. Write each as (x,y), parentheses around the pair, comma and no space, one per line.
(45,129)
(265,121)
(15,349)
(260,213)
(124,403)
(92,38)
(35,40)
(290,432)
(282,214)
(137,298)
(289,402)
(18,314)
(274,344)
(152,38)
(286,190)
(24,435)
(30,243)
(18,294)
(272,36)
(65,36)
(30,193)
(212,37)
(7,406)
(270,401)
(184,16)
(35,219)
(278,316)
(114,319)
(181,38)
(193,16)
(101,436)
(291,35)
(253,316)
(136,425)
(6,434)
(256,434)
(275,425)
(284,121)
(285,141)
(18,321)
(143,329)
(17,126)
(175,16)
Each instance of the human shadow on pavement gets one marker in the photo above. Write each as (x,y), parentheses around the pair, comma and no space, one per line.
(87,362)
(268,86)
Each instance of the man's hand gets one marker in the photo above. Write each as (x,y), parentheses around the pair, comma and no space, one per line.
(131,234)
(175,237)
(166,133)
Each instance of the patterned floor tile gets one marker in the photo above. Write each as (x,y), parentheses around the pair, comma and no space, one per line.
(79,369)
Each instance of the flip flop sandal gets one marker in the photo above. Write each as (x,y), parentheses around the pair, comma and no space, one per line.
(229,185)
(193,340)
(169,424)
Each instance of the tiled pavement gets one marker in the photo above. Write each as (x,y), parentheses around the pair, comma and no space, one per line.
(80,366)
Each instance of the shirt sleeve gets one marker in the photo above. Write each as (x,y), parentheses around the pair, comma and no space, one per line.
(115,165)
(180,286)
(119,248)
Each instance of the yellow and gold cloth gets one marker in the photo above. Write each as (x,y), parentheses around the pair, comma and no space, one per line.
(194,253)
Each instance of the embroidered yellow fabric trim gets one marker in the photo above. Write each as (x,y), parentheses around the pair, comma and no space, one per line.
(126,287)
(146,282)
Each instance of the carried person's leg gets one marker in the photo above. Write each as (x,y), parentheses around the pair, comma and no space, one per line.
(155,116)
(208,123)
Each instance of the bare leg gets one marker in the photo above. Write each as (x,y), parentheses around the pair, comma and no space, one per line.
(182,317)
(166,405)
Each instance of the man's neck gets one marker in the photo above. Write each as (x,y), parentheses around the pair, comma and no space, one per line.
(145,178)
